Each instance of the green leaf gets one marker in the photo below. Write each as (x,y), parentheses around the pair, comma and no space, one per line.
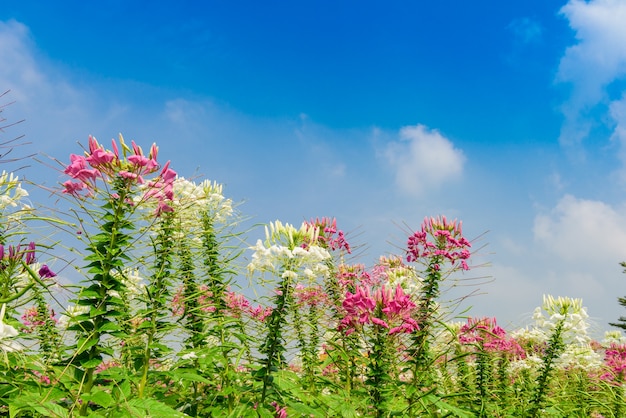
(99,397)
(92,363)
(50,409)
(154,408)
(122,391)
(109,326)
(94,312)
(84,344)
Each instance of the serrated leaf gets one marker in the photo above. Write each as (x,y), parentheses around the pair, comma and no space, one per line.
(92,363)
(85,344)
(99,397)
(155,408)
(109,326)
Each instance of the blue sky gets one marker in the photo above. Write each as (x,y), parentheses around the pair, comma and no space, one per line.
(508,115)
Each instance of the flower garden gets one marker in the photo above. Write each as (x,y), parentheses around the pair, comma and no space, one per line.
(158,323)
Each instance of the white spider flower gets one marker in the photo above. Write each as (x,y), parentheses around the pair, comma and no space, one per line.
(203,198)
(292,250)
(9,183)
(71,312)
(7,332)
(566,312)
(579,357)
(133,282)
(613,337)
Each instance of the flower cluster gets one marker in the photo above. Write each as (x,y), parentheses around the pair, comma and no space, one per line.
(393,271)
(134,284)
(486,333)
(349,275)
(204,198)
(568,310)
(32,319)
(385,307)
(447,242)
(615,360)
(284,249)
(7,332)
(310,296)
(329,237)
(99,163)
(11,194)
(11,191)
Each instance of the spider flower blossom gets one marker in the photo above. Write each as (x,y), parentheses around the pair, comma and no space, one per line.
(194,200)
(349,275)
(615,361)
(486,333)
(386,307)
(328,235)
(7,332)
(568,310)
(439,237)
(11,191)
(310,296)
(100,163)
(393,271)
(285,248)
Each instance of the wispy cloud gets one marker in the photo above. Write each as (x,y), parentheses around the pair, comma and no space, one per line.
(592,64)
(582,231)
(423,160)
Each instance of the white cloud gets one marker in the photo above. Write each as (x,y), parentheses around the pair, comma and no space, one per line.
(617,111)
(423,160)
(22,75)
(594,62)
(583,231)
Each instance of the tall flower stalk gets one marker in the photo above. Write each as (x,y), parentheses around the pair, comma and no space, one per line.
(438,242)
(564,317)
(113,179)
(290,255)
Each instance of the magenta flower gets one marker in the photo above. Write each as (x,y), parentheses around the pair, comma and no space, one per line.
(329,237)
(279,412)
(259,313)
(101,159)
(46,273)
(439,237)
(486,334)
(349,275)
(615,360)
(310,296)
(107,165)
(29,257)
(386,307)
(236,304)
(72,188)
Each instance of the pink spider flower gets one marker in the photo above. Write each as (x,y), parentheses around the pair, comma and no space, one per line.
(615,360)
(236,304)
(386,307)
(260,313)
(310,296)
(329,237)
(485,333)
(162,189)
(178,302)
(439,237)
(32,319)
(101,163)
(350,275)
(280,412)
